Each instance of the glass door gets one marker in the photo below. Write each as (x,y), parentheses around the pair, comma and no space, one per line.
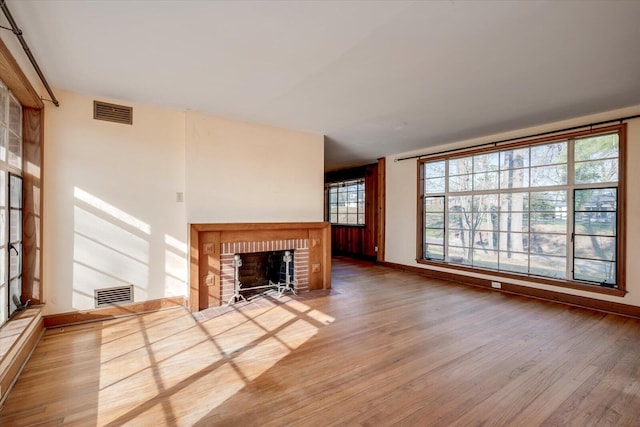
(15,243)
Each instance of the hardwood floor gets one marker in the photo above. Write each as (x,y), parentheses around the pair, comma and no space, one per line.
(383,347)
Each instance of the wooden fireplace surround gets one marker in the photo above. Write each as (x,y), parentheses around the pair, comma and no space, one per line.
(205,250)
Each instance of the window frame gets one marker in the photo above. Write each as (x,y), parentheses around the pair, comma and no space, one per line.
(620,247)
(359,214)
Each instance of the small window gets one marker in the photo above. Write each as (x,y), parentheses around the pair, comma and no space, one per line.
(346,202)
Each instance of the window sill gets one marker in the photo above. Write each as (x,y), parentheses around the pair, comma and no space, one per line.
(536,279)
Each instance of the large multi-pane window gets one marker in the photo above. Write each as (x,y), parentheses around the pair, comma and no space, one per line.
(547,209)
(346,202)
(10,166)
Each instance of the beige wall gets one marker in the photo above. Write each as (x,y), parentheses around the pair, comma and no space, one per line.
(245,172)
(111,217)
(401,192)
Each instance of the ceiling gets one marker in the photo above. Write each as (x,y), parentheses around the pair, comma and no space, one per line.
(375,77)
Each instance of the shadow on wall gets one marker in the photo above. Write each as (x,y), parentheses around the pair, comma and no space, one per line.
(112,248)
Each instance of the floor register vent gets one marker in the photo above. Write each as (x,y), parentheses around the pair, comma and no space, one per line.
(110,296)
(112,112)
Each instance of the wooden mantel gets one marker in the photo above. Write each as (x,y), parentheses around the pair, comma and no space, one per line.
(205,250)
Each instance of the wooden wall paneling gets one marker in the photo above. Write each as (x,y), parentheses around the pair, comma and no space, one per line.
(326,257)
(381,208)
(32,135)
(371,201)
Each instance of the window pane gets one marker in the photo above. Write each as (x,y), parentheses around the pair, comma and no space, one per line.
(434,252)
(598,223)
(460,183)
(482,221)
(549,201)
(485,181)
(548,266)
(434,220)
(549,154)
(15,116)
(361,219)
(333,195)
(434,204)
(460,203)
(459,220)
(434,169)
(597,147)
(514,221)
(434,185)
(513,261)
(595,271)
(545,176)
(3,143)
(595,247)
(548,244)
(597,171)
(485,162)
(14,150)
(513,159)
(333,218)
(434,235)
(514,202)
(485,202)
(514,242)
(460,255)
(514,178)
(548,222)
(485,258)
(460,166)
(460,237)
(596,200)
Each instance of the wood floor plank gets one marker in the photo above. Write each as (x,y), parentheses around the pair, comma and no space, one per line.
(383,347)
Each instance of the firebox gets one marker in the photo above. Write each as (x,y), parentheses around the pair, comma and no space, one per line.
(263,269)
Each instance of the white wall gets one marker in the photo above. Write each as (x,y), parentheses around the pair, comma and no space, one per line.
(245,172)
(401,204)
(110,211)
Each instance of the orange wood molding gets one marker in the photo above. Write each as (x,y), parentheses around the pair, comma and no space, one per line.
(63,319)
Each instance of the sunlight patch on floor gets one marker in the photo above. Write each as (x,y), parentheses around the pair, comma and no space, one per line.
(199,368)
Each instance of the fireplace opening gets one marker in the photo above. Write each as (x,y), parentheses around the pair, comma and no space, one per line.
(264,271)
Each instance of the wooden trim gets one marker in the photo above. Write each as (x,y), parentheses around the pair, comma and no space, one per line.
(32,135)
(381,209)
(258,226)
(420,210)
(536,279)
(575,300)
(621,255)
(534,141)
(12,75)
(13,361)
(84,316)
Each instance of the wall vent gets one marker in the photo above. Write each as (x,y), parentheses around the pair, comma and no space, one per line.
(110,296)
(112,112)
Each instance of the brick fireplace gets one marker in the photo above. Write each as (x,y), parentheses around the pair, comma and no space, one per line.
(212,247)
